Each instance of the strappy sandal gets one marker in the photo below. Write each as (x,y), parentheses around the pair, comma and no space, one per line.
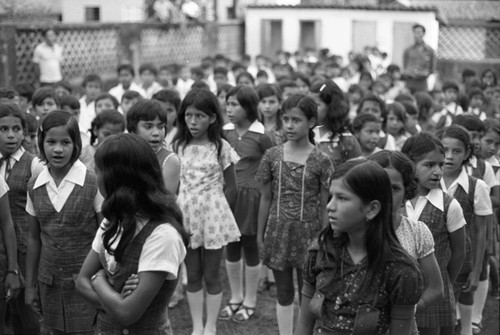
(476,328)
(227,312)
(243,314)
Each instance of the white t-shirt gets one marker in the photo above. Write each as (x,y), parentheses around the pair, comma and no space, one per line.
(415,237)
(49,59)
(162,251)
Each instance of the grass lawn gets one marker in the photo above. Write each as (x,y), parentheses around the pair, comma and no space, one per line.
(264,320)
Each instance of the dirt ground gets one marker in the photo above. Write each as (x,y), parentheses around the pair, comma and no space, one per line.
(264,320)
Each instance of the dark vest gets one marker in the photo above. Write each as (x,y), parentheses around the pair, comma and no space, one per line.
(466,201)
(66,236)
(18,184)
(480,169)
(154,321)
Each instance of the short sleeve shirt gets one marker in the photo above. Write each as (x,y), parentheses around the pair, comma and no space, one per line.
(163,250)
(402,286)
(415,237)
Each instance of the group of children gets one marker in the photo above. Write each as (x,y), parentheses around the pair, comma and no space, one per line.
(382,207)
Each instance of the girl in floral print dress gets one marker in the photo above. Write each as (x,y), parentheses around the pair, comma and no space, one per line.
(207,180)
(294,192)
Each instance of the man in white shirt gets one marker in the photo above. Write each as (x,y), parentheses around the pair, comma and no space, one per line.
(47,59)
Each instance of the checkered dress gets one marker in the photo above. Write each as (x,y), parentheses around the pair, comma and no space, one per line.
(441,314)
(66,240)
(18,185)
(154,321)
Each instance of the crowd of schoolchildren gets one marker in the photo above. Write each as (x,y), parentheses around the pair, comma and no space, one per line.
(380,202)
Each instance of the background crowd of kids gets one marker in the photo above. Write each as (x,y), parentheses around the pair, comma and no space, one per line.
(287,164)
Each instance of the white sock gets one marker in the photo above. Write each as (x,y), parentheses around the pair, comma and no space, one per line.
(263,271)
(270,276)
(479,300)
(284,314)
(251,285)
(235,278)
(195,301)
(213,306)
(465,319)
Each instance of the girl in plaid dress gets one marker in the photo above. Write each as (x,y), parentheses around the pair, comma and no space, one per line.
(64,205)
(444,217)
(10,283)
(474,197)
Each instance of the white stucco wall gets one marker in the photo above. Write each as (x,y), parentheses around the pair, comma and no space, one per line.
(336,27)
(73,11)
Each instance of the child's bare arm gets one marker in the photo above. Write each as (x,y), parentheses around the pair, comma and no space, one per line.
(457,245)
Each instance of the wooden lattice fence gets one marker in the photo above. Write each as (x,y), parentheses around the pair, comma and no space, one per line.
(471,42)
(99,48)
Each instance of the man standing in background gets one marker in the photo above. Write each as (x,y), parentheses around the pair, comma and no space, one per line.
(419,62)
(47,59)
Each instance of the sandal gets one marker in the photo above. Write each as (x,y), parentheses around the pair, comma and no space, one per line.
(227,312)
(476,328)
(243,314)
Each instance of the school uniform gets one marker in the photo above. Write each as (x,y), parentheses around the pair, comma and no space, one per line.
(68,222)
(156,246)
(473,196)
(444,118)
(481,169)
(22,166)
(341,148)
(443,215)
(4,264)
(250,147)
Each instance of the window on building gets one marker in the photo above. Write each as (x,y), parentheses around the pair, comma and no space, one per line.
(309,35)
(364,34)
(272,37)
(92,14)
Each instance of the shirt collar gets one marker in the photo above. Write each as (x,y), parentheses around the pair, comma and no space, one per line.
(435,197)
(462,180)
(473,161)
(75,175)
(493,161)
(326,136)
(16,155)
(255,127)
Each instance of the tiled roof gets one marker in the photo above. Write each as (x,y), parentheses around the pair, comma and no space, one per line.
(477,10)
(360,6)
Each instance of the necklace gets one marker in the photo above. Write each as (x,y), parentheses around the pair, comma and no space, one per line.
(342,297)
